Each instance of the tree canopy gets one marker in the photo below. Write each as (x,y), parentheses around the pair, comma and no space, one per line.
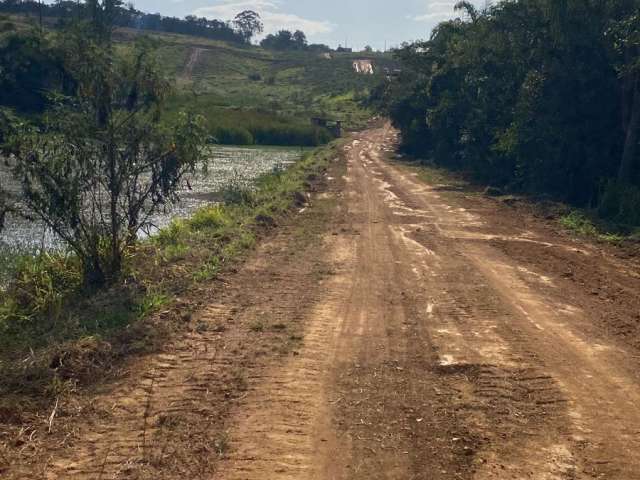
(248,24)
(534,95)
(285,40)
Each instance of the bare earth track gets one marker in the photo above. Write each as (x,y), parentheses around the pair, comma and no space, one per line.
(402,331)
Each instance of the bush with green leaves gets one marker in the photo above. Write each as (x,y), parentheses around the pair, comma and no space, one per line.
(538,96)
(103,161)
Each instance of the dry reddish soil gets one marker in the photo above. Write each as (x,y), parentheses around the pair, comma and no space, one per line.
(395,330)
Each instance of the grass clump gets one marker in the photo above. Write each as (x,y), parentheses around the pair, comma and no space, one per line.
(581,224)
(39,288)
(209,218)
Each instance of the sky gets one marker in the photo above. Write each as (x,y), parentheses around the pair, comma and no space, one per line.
(333,22)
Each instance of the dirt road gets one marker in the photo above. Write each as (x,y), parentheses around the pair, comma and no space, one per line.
(438,355)
(422,333)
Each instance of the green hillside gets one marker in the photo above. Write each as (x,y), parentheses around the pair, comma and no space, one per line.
(236,87)
(248,94)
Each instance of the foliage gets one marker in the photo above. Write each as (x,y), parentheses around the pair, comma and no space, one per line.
(102,162)
(248,25)
(30,66)
(67,11)
(532,95)
(39,287)
(258,127)
(285,40)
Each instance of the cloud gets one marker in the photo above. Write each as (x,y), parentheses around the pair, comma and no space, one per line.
(439,10)
(273,17)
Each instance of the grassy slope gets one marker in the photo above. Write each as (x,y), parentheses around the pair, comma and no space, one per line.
(296,85)
(291,87)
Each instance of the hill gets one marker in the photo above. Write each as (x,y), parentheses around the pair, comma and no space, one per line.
(249,94)
(239,88)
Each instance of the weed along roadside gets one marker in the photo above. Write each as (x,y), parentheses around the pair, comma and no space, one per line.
(58,339)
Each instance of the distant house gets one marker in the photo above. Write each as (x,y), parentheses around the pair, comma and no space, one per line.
(342,49)
(364,67)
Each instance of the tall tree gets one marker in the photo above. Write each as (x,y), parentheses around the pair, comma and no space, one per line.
(300,39)
(530,95)
(248,24)
(626,42)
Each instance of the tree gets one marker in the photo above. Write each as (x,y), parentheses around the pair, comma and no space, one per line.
(626,43)
(285,40)
(468,8)
(368,49)
(248,24)
(29,68)
(103,162)
(533,95)
(300,40)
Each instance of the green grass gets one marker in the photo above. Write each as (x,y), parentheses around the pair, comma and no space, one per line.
(293,86)
(580,223)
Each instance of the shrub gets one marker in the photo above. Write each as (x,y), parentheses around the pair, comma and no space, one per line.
(233,136)
(209,218)
(238,192)
(171,234)
(101,165)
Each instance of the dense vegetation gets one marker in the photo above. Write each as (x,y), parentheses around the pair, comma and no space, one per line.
(65,11)
(534,95)
(287,40)
(101,161)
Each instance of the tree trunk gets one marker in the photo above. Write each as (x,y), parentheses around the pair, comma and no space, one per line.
(631,138)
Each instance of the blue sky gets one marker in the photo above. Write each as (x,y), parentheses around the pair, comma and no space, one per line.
(359,22)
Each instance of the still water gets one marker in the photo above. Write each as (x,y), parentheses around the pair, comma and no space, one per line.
(226,165)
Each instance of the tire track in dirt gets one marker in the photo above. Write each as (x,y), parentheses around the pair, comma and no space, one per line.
(533,359)
(504,392)
(349,406)
(281,431)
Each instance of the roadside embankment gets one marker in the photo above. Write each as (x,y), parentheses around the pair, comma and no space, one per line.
(56,337)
